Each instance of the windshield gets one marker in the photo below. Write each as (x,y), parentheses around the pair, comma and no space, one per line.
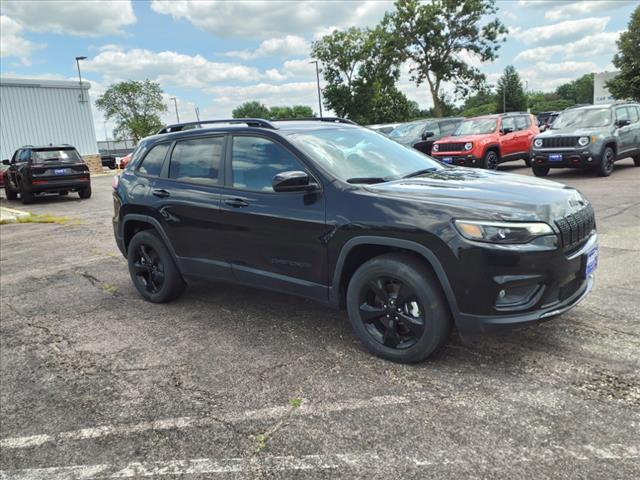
(476,126)
(358,153)
(408,129)
(583,118)
(55,155)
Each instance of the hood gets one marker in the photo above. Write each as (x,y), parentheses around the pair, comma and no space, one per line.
(485,194)
(571,132)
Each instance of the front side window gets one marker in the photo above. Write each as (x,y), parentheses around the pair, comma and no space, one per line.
(256,160)
(448,127)
(152,162)
(357,155)
(197,160)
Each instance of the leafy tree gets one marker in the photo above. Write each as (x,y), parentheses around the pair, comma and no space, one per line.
(509,92)
(627,60)
(547,102)
(577,91)
(296,111)
(437,35)
(253,109)
(135,107)
(361,67)
(482,103)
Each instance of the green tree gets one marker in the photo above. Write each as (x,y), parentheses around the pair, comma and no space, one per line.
(547,102)
(296,111)
(509,92)
(135,107)
(627,60)
(361,67)
(437,36)
(482,103)
(577,91)
(253,109)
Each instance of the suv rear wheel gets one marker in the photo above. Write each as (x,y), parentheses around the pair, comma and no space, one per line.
(606,164)
(397,309)
(152,269)
(9,192)
(26,195)
(540,171)
(85,192)
(490,160)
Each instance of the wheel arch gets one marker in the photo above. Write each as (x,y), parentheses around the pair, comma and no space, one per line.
(133,223)
(492,146)
(375,246)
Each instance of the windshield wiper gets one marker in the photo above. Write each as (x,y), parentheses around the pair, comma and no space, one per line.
(420,172)
(367,180)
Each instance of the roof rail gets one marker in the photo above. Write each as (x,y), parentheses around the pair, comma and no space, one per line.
(250,122)
(318,119)
(513,113)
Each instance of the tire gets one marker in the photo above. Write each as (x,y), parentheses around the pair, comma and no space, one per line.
(10,192)
(26,195)
(152,268)
(636,161)
(63,193)
(540,171)
(423,319)
(85,192)
(605,167)
(490,160)
(527,161)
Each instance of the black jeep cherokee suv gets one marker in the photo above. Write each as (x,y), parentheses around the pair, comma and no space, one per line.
(49,169)
(340,214)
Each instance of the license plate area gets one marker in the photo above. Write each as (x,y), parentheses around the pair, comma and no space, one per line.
(590,261)
(447,159)
(555,157)
(59,171)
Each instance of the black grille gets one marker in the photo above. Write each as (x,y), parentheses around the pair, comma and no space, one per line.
(560,142)
(450,147)
(576,227)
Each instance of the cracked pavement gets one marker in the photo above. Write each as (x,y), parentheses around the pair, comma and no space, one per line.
(231,382)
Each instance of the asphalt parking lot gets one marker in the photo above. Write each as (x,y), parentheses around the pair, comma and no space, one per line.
(230,382)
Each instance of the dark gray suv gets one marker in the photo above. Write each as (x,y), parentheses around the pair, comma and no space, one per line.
(591,137)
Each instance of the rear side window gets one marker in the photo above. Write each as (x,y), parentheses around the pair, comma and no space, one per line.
(622,114)
(152,162)
(522,122)
(197,160)
(633,114)
(257,160)
(509,122)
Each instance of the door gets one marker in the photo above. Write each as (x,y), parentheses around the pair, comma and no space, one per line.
(187,198)
(12,175)
(524,134)
(273,238)
(508,141)
(625,133)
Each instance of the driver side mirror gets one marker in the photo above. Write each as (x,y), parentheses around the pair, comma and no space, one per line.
(294,181)
(623,123)
(426,135)
(6,161)
(505,131)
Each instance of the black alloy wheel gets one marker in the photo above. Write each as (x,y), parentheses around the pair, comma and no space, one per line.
(491,160)
(392,313)
(148,268)
(606,164)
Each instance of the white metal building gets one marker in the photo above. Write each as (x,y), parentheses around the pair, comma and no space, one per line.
(600,91)
(40,112)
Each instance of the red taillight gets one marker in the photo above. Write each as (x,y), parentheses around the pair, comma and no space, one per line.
(114,182)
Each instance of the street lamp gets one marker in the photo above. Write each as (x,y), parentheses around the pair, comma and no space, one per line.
(175,102)
(80,77)
(318,80)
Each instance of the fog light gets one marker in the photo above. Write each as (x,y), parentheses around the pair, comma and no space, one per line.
(516,296)
(502,293)
(590,159)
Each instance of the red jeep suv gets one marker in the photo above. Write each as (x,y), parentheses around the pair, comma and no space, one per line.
(489,140)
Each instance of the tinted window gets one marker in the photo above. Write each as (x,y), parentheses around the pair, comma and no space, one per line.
(509,122)
(633,114)
(448,127)
(522,122)
(431,127)
(256,161)
(152,163)
(25,155)
(197,160)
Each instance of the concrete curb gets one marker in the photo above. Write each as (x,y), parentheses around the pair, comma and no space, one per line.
(9,215)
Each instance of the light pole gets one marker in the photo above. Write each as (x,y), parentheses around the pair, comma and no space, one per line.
(175,102)
(318,80)
(80,77)
(504,98)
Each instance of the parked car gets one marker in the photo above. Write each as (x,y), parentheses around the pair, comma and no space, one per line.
(334,212)
(592,137)
(3,169)
(547,120)
(50,169)
(421,134)
(108,161)
(488,141)
(385,128)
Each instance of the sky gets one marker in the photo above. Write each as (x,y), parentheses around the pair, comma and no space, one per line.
(217,54)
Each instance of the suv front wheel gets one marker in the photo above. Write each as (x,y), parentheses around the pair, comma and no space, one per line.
(152,269)
(397,309)
(606,164)
(490,160)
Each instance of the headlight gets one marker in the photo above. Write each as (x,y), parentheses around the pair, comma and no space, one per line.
(502,232)
(468,146)
(435,148)
(582,141)
(537,142)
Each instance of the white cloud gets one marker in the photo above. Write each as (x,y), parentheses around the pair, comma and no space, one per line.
(289,45)
(573,9)
(167,68)
(260,19)
(562,32)
(86,19)
(12,44)
(602,43)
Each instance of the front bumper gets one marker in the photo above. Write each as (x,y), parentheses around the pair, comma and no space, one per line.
(460,159)
(570,159)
